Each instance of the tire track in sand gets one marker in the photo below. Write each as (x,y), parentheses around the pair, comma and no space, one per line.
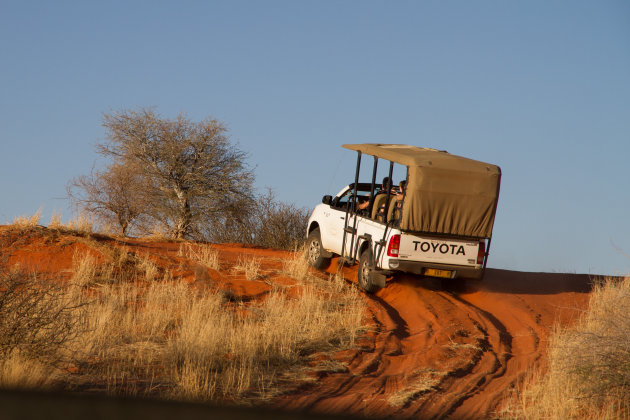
(446,352)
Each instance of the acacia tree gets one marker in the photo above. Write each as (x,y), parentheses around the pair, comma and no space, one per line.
(194,173)
(117,195)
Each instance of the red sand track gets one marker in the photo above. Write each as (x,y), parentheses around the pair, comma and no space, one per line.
(434,350)
(474,340)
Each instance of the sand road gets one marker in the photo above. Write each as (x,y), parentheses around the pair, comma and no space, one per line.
(448,350)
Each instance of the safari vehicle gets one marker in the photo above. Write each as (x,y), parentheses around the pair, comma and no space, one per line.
(440,225)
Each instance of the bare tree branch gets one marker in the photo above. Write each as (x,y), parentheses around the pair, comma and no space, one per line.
(118,195)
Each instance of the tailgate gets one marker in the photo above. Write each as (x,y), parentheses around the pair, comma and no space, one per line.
(444,251)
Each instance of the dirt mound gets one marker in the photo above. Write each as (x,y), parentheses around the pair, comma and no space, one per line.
(434,349)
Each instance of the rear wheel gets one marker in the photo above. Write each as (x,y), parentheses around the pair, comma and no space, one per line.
(365,268)
(314,251)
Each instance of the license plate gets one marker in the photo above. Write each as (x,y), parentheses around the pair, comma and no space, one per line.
(443,251)
(432,272)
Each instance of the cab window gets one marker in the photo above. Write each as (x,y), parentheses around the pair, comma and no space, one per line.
(342,202)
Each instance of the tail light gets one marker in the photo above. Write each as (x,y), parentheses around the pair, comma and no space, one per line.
(482,252)
(393,246)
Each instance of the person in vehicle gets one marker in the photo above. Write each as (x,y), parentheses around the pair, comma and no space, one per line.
(401,192)
(382,201)
(400,195)
(382,189)
(386,184)
(364,203)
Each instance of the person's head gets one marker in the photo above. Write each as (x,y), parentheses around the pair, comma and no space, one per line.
(386,183)
(403,185)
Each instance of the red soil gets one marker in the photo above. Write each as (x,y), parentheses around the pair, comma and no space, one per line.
(476,339)
(472,341)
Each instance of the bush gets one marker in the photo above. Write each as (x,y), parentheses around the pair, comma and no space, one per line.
(279,225)
(38,318)
(267,222)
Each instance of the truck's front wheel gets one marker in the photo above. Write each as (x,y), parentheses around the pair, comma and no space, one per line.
(365,268)
(314,251)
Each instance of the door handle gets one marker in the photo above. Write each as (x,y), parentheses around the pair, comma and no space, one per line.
(341,218)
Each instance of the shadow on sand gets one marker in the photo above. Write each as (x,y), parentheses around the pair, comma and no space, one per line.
(507,281)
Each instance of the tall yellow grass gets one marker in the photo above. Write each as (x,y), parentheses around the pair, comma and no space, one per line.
(163,338)
(81,222)
(22,372)
(250,266)
(206,255)
(27,221)
(588,373)
(56,221)
(84,268)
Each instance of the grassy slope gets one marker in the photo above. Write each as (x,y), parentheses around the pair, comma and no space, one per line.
(162,322)
(588,372)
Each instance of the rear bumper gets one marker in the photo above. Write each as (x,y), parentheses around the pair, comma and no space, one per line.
(417,267)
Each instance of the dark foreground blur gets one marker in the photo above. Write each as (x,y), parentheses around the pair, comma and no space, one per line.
(25,405)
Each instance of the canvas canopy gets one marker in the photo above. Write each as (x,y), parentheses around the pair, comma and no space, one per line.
(446,194)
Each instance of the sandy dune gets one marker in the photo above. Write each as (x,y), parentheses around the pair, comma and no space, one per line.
(434,349)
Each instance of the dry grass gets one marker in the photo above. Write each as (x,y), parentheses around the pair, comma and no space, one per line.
(205,255)
(265,346)
(418,383)
(128,328)
(85,269)
(23,222)
(23,372)
(589,364)
(297,267)
(55,221)
(82,223)
(148,268)
(120,266)
(249,266)
(163,338)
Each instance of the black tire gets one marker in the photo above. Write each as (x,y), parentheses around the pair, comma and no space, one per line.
(314,251)
(365,261)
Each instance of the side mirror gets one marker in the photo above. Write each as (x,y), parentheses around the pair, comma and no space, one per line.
(327,199)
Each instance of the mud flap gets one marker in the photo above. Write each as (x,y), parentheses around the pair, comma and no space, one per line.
(377,278)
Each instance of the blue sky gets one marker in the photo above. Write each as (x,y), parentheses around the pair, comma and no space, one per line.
(540,88)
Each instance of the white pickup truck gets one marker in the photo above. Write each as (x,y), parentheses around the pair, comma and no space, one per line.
(439,225)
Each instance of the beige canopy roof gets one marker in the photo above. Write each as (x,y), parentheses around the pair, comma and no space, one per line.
(446,194)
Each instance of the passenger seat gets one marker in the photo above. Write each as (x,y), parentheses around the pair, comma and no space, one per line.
(378,201)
